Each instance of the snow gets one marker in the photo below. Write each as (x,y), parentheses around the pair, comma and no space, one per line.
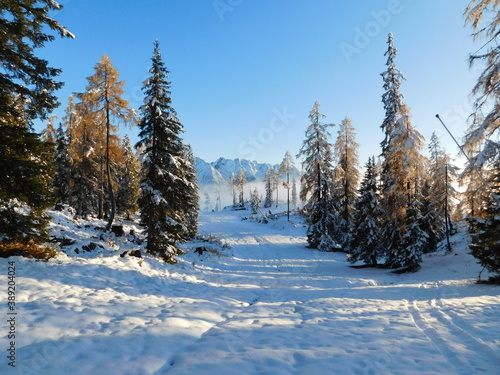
(262,304)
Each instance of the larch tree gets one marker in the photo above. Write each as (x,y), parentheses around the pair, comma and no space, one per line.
(27,92)
(348,175)
(104,95)
(317,182)
(483,135)
(165,183)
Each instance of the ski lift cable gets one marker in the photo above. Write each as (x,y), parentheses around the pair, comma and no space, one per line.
(473,165)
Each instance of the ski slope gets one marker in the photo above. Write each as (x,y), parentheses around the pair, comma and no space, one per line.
(266,305)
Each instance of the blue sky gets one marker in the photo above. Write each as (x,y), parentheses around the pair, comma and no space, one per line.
(246,73)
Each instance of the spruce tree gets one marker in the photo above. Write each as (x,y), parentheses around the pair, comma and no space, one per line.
(190,204)
(62,168)
(364,243)
(166,185)
(317,183)
(401,167)
(268,202)
(27,87)
(255,201)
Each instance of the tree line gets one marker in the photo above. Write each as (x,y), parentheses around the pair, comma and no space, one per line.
(84,163)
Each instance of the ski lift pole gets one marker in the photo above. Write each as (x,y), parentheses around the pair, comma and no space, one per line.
(473,166)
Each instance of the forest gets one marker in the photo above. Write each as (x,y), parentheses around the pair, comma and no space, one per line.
(401,205)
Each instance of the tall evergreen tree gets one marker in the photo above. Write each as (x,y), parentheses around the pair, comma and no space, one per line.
(268,202)
(317,182)
(165,183)
(104,95)
(190,205)
(294,192)
(62,168)
(401,167)
(365,241)
(27,86)
(255,201)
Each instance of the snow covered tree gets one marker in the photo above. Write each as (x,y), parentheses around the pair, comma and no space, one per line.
(347,173)
(49,134)
(268,202)
(483,135)
(62,168)
(190,204)
(287,166)
(276,182)
(207,200)
(241,180)
(439,194)
(255,201)
(364,244)
(128,181)
(104,95)
(316,182)
(402,165)
(166,182)
(27,86)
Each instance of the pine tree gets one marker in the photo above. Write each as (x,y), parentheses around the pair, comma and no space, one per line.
(345,150)
(128,181)
(104,95)
(268,202)
(207,200)
(364,243)
(27,89)
(316,182)
(166,182)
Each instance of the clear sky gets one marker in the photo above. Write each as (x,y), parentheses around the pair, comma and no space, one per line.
(246,73)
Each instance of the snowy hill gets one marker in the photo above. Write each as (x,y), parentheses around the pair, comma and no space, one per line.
(262,303)
(207,174)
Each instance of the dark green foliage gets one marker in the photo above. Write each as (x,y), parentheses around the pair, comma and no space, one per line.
(168,181)
(23,28)
(26,171)
(62,167)
(364,243)
(485,232)
(128,181)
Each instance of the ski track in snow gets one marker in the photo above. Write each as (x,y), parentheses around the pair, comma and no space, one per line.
(267,305)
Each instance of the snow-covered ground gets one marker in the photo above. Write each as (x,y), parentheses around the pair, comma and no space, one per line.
(266,305)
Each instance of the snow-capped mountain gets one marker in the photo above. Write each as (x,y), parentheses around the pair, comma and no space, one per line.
(219,172)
